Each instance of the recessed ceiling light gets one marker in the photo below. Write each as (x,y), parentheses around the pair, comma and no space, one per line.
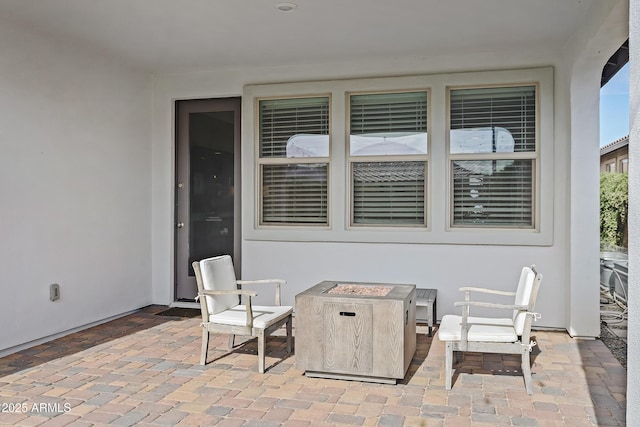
(285,6)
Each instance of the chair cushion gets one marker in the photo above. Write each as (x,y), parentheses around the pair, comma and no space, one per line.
(480,329)
(263,316)
(218,275)
(523,297)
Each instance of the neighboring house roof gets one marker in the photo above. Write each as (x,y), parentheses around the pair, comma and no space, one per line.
(613,146)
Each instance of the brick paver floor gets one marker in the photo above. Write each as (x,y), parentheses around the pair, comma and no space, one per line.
(142,369)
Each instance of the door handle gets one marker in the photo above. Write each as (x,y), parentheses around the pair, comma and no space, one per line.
(347,313)
(180,224)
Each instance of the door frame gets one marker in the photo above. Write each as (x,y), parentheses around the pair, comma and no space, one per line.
(182,108)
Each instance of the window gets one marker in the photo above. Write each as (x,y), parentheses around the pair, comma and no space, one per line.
(388,158)
(456,158)
(624,165)
(493,154)
(611,167)
(293,161)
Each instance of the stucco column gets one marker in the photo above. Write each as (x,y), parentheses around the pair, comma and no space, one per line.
(602,37)
(633,334)
(584,224)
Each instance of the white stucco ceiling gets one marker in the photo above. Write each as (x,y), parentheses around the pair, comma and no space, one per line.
(187,35)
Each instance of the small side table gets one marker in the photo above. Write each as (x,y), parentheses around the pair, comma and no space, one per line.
(426,307)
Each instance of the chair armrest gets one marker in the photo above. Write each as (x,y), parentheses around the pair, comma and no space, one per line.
(489,305)
(228,292)
(277,282)
(252,282)
(486,291)
(244,292)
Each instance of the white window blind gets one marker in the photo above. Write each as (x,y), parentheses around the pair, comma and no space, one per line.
(492,145)
(493,192)
(388,156)
(389,113)
(282,120)
(294,193)
(294,160)
(388,192)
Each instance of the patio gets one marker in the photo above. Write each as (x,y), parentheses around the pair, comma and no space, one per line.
(142,369)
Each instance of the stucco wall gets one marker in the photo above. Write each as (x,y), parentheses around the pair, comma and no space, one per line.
(604,30)
(633,338)
(445,266)
(433,257)
(75,185)
(87,184)
(303,263)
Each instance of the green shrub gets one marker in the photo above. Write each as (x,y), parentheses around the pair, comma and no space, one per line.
(614,203)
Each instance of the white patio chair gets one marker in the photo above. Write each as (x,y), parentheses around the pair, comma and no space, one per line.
(219,294)
(511,335)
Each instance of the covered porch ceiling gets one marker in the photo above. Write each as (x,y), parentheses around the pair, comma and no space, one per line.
(169,36)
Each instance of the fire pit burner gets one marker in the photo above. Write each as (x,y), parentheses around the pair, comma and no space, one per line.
(365,290)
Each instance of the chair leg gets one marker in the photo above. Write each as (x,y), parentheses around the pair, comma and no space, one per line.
(448,365)
(526,371)
(205,346)
(261,347)
(232,339)
(289,344)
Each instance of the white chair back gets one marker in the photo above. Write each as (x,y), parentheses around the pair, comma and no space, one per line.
(218,275)
(525,295)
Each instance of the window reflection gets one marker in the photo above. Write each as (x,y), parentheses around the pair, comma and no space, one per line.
(482,140)
(304,145)
(388,144)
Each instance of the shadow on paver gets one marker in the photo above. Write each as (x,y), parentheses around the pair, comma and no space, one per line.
(76,342)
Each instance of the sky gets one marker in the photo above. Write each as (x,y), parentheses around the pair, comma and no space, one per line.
(614,107)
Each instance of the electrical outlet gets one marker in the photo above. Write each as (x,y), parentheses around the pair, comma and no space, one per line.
(54,292)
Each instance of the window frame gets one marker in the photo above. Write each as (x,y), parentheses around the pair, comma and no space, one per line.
(386,158)
(438,230)
(261,162)
(534,156)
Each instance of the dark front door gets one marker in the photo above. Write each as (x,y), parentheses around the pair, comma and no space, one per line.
(207,214)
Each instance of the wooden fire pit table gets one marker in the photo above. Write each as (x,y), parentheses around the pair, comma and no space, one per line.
(356,331)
